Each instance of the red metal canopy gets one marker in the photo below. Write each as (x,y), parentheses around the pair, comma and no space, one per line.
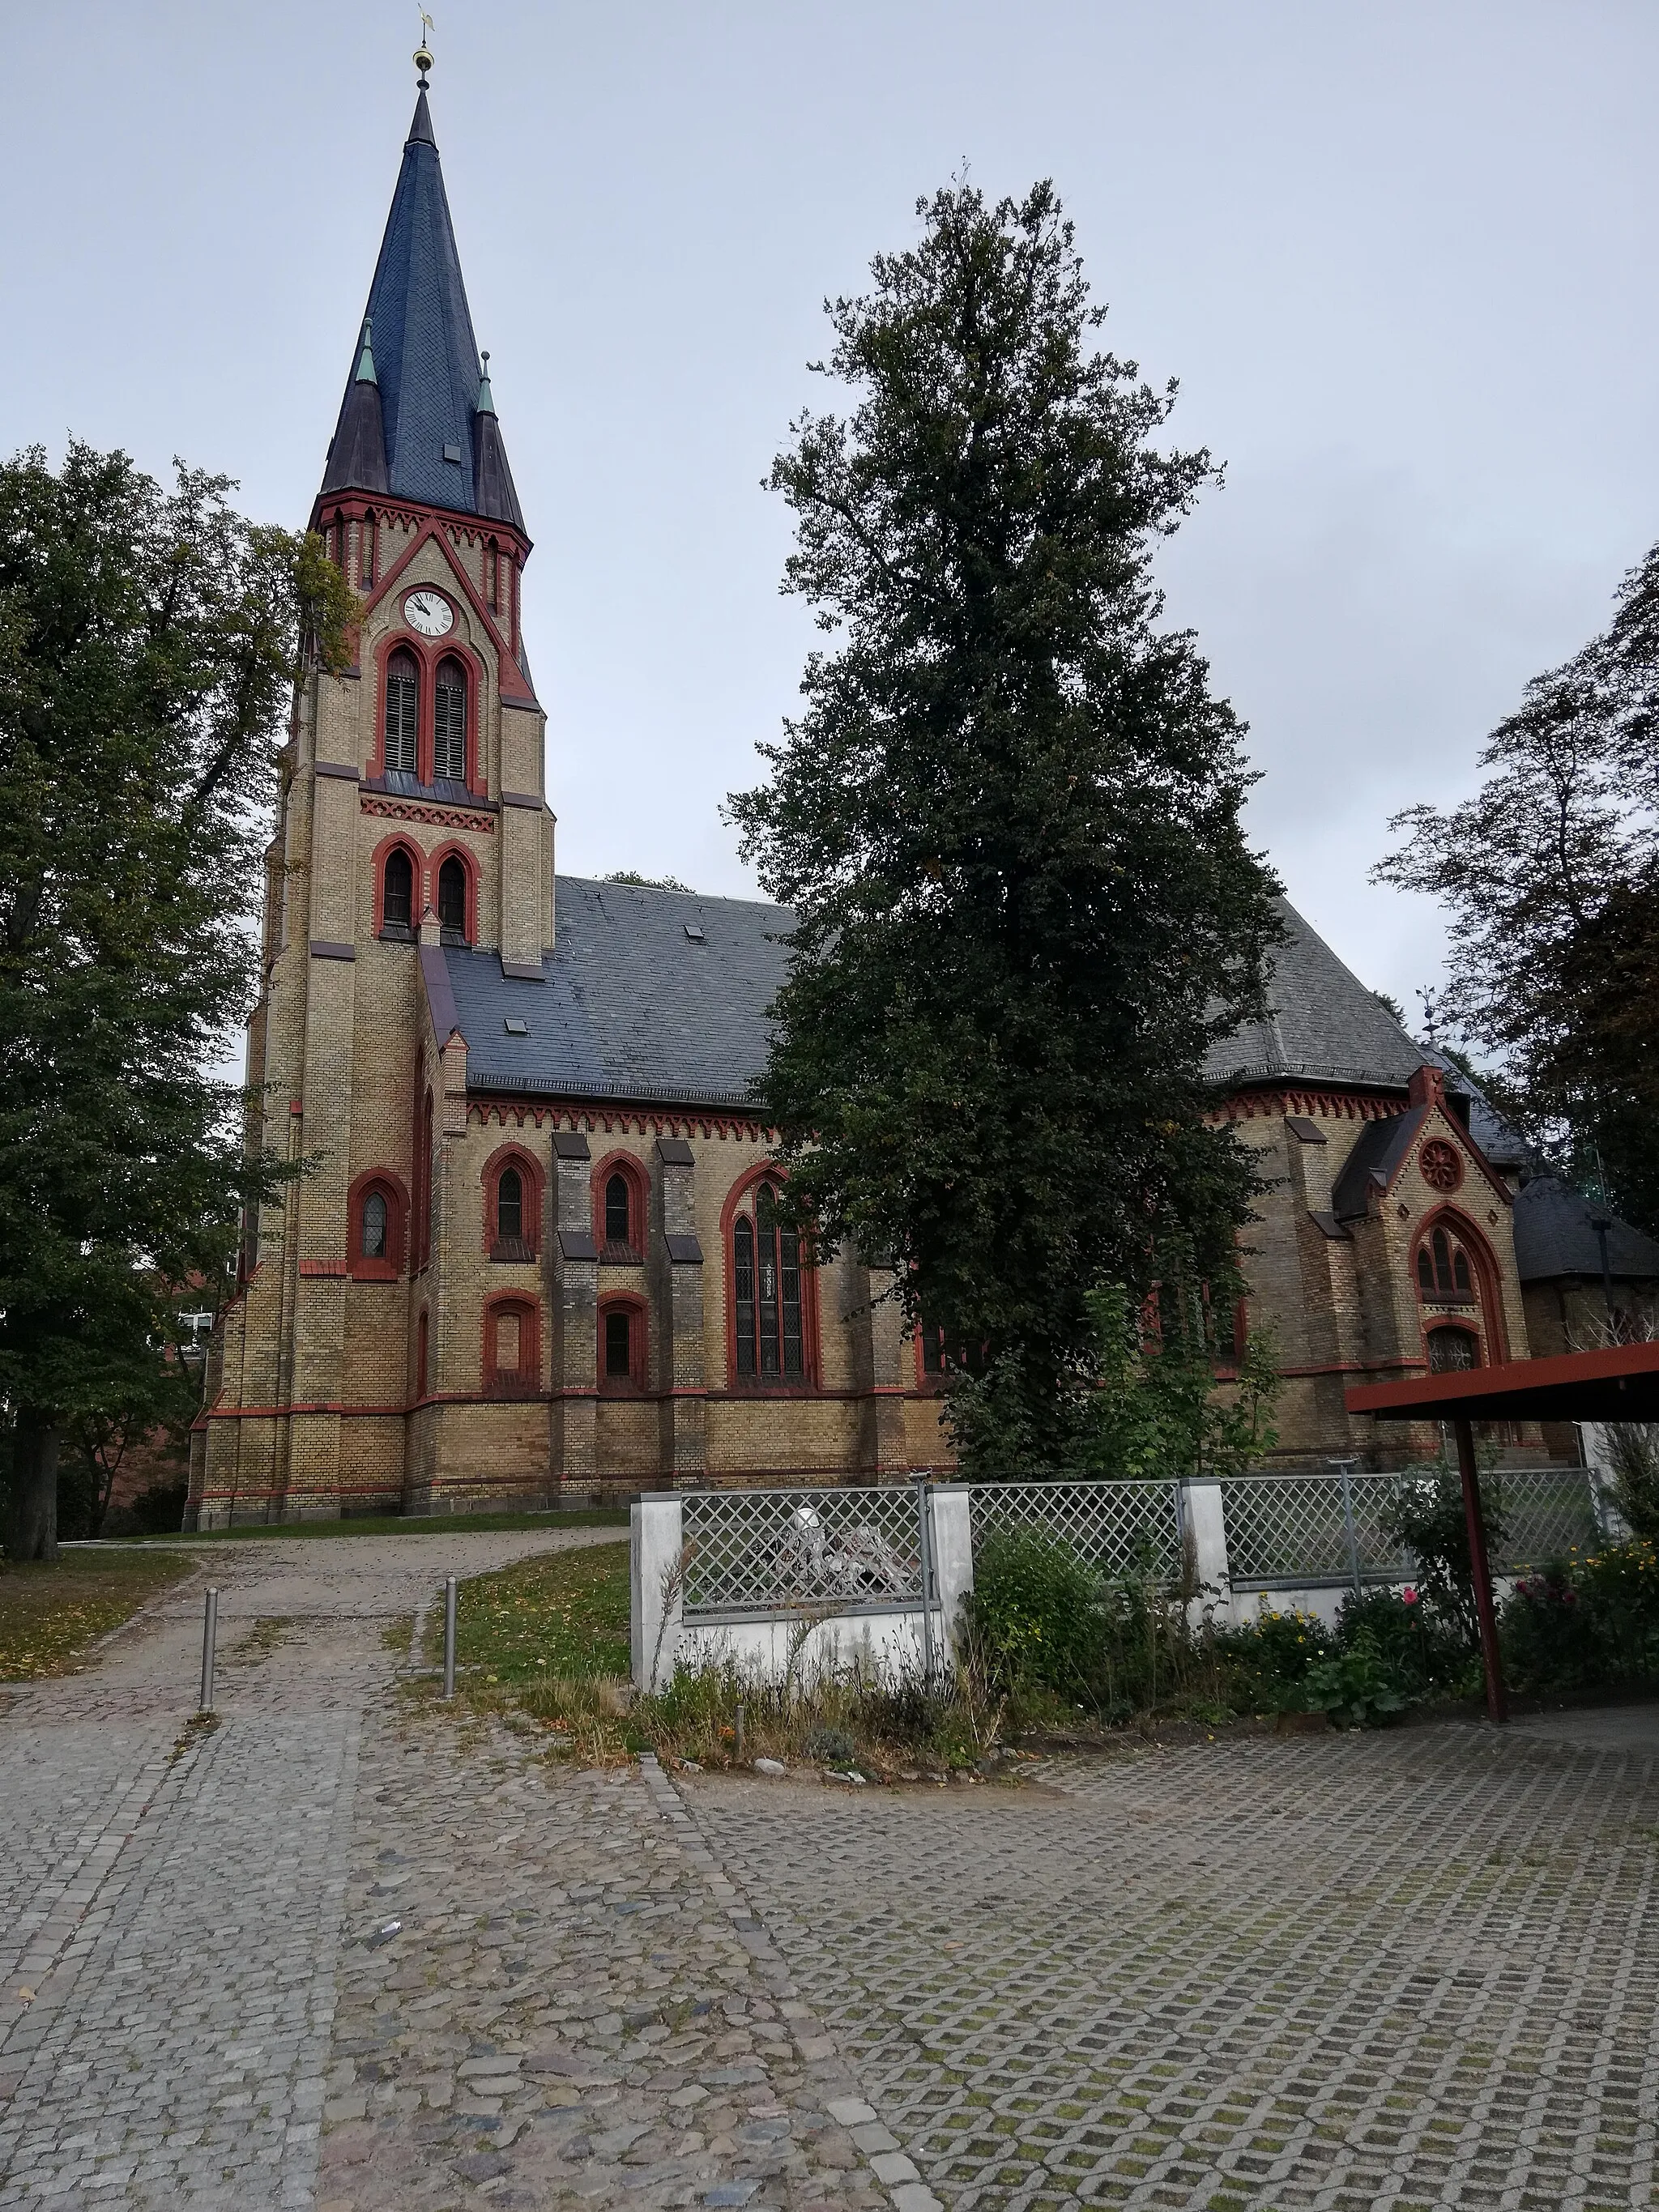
(1620,1383)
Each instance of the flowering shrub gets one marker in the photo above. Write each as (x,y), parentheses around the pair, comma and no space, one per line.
(1268,1659)
(1591,1618)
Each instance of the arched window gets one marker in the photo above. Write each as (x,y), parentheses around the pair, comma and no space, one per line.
(509,1206)
(618,1211)
(452,900)
(1442,1269)
(398,895)
(768,1332)
(449,724)
(492,573)
(622,1345)
(402,694)
(365,553)
(421,1336)
(375,1215)
(372,1243)
(511,1348)
(1453,1351)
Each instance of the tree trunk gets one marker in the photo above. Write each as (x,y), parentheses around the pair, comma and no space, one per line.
(34,1531)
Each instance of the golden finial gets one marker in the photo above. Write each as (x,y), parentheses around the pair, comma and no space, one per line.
(424,51)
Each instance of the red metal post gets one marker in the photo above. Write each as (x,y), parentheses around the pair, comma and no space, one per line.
(1498,1704)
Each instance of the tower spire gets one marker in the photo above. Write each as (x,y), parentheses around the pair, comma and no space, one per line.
(435,427)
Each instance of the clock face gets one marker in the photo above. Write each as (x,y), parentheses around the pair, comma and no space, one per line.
(430,612)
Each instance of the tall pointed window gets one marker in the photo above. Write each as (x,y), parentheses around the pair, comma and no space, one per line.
(492,573)
(449,724)
(366,554)
(1442,1270)
(766,1293)
(452,900)
(403,692)
(509,1206)
(398,898)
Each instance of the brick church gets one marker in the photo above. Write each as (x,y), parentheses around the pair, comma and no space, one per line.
(538,1258)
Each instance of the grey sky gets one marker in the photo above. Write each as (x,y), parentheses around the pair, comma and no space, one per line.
(1400,258)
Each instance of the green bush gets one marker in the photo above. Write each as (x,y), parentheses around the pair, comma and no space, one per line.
(1423,1650)
(1267,1660)
(1035,1611)
(1427,1517)
(1357,1685)
(1591,1619)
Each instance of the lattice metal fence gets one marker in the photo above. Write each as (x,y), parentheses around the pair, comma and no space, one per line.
(773,1551)
(1542,1511)
(1114,1526)
(1310,1529)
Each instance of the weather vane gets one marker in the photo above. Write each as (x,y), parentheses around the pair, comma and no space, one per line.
(424,51)
(1430,1014)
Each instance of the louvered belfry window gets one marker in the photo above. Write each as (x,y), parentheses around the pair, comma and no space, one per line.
(449,724)
(766,1293)
(403,692)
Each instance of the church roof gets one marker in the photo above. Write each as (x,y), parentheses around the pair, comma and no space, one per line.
(632,1006)
(1553,1237)
(1322,1025)
(441,440)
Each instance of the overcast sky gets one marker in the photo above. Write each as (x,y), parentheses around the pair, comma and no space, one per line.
(1400,257)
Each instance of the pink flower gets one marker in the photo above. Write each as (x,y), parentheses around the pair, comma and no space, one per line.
(1408,1597)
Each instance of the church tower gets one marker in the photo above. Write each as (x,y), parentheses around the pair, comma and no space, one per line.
(411,820)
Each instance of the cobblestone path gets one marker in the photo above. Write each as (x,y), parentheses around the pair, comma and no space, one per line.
(343,1952)
(1416,1969)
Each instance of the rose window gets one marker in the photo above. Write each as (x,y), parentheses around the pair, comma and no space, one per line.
(1441,1167)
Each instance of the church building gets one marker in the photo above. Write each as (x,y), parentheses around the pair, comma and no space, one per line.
(538,1258)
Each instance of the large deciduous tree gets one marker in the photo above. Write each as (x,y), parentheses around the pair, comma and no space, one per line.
(1550,874)
(1007,818)
(148,642)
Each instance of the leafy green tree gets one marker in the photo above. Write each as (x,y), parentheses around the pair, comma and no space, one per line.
(1141,1402)
(1007,817)
(1550,875)
(149,643)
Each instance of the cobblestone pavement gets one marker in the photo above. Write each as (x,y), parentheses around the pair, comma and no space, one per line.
(341,1951)
(548,1994)
(170,1896)
(1400,1969)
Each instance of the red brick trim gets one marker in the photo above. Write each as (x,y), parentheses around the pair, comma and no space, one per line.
(634,1174)
(397,842)
(809,1380)
(397,1214)
(1488,1323)
(632,1385)
(534,1180)
(452,851)
(525,1380)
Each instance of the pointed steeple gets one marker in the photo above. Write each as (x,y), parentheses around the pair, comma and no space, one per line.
(423,369)
(356,460)
(496,496)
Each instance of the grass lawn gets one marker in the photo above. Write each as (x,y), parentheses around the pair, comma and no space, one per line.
(399,1525)
(49,1615)
(564,1615)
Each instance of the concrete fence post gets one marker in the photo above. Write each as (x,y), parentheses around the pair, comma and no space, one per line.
(953,1555)
(1204,1531)
(656,1542)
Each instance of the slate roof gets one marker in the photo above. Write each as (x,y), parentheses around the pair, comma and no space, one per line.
(1553,1237)
(426,359)
(1322,1025)
(629,1007)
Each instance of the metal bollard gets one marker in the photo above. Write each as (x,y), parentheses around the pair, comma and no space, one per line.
(210,1632)
(450,1587)
(736,1736)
